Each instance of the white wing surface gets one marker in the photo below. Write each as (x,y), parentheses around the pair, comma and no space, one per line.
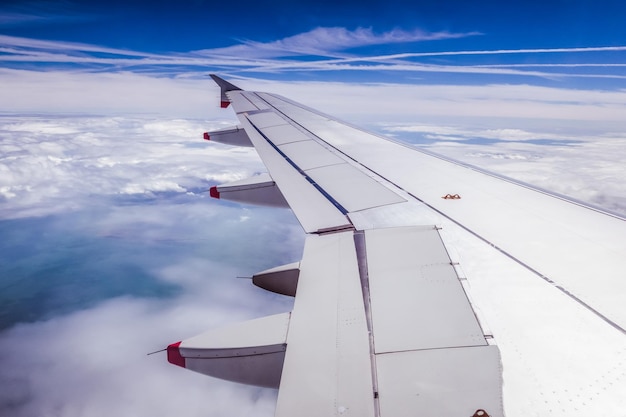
(384,322)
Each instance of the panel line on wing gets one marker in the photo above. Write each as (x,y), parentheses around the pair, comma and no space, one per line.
(304,174)
(242,102)
(361,254)
(286,134)
(251,113)
(391,352)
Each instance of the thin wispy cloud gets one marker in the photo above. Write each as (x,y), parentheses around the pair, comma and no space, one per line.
(503,52)
(325,41)
(39,12)
(14,18)
(32,46)
(411,67)
(551,65)
(321,49)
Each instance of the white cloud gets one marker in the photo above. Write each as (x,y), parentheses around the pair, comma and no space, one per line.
(93,362)
(458,133)
(105,93)
(51,165)
(127,93)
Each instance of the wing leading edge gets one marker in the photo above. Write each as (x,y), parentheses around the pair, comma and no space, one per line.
(382,325)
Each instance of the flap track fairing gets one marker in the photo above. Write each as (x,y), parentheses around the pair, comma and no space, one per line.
(236,136)
(259,190)
(281,280)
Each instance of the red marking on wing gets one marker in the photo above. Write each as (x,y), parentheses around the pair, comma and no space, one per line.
(173,355)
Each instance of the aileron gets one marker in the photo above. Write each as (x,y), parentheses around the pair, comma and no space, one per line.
(241,103)
(285,134)
(309,155)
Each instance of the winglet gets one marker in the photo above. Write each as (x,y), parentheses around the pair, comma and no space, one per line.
(225,86)
(174,356)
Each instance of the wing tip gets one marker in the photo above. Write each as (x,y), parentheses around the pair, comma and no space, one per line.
(173,355)
(224,85)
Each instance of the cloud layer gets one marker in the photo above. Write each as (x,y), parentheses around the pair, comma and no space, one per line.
(99,215)
(93,362)
(57,164)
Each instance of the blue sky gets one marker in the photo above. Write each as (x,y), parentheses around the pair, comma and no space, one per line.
(579,44)
(171,26)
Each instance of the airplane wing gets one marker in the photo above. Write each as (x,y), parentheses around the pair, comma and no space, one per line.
(385,322)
